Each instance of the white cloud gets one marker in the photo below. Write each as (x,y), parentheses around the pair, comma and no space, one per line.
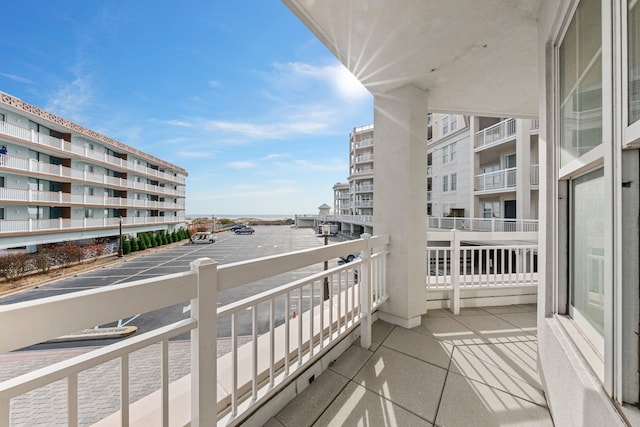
(240,194)
(179,123)
(214,83)
(241,165)
(267,131)
(16,78)
(333,165)
(194,154)
(73,99)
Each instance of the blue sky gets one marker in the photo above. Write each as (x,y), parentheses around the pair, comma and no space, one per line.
(239,93)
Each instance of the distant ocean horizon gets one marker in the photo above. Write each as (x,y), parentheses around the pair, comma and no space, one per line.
(233,216)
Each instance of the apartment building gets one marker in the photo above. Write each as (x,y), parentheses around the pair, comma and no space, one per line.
(482,167)
(361,158)
(60,181)
(477,167)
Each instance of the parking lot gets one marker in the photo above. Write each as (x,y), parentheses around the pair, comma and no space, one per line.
(229,247)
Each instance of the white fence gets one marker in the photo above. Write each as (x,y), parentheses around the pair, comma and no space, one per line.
(472,261)
(497,133)
(304,319)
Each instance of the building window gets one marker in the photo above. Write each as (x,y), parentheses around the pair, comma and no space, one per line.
(445,183)
(88,213)
(445,125)
(580,76)
(633,19)
(2,213)
(2,117)
(580,102)
(491,209)
(454,150)
(588,217)
(454,182)
(453,124)
(2,182)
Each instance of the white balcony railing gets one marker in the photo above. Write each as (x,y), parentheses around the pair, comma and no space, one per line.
(23,165)
(363,171)
(28,196)
(306,318)
(483,224)
(364,143)
(73,224)
(496,134)
(364,188)
(498,180)
(363,204)
(365,158)
(79,151)
(477,265)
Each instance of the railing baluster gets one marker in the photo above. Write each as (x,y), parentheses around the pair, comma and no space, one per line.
(234,364)
(272,336)
(254,353)
(300,326)
(124,390)
(72,400)
(311,317)
(287,331)
(164,365)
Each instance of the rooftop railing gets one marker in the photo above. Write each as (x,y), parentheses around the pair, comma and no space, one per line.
(304,320)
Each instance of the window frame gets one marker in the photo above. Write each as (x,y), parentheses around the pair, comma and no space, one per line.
(599,156)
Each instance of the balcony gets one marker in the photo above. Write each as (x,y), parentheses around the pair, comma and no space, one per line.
(504,179)
(363,171)
(365,158)
(57,198)
(364,188)
(21,165)
(496,134)
(535,175)
(493,225)
(79,224)
(368,142)
(363,204)
(485,358)
(74,150)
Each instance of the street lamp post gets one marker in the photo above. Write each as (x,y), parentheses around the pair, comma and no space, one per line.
(120,254)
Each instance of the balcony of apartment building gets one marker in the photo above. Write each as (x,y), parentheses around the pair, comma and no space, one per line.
(497,134)
(364,158)
(56,172)
(314,341)
(365,143)
(64,148)
(363,171)
(364,187)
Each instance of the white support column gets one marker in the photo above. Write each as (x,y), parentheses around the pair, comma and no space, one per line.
(474,204)
(365,293)
(204,345)
(400,199)
(523,169)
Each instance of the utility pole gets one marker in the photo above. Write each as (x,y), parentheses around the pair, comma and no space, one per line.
(120,254)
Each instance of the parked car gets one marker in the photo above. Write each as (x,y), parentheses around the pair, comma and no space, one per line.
(202,237)
(237,227)
(244,230)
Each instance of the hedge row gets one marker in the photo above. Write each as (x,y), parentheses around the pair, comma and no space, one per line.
(151,240)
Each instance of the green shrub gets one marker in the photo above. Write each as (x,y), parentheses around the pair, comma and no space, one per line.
(134,245)
(126,245)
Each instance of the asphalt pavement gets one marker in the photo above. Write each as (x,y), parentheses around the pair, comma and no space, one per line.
(228,248)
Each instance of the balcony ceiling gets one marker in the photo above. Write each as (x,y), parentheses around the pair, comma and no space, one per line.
(472,56)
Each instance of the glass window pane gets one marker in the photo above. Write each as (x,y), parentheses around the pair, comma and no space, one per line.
(581,83)
(587,247)
(634,60)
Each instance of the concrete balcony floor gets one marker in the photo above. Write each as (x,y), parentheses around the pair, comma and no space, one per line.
(474,369)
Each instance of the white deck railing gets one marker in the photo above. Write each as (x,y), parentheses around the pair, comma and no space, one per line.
(483,224)
(497,180)
(458,261)
(496,134)
(305,319)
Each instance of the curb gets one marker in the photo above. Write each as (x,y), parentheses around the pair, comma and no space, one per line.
(97,334)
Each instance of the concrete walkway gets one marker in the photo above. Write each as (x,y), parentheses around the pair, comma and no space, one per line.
(476,369)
